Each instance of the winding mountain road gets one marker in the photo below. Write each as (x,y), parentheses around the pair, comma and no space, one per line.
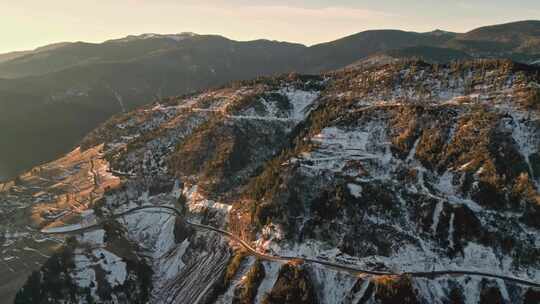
(340,267)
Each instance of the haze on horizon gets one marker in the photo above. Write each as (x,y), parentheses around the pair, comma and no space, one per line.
(27,24)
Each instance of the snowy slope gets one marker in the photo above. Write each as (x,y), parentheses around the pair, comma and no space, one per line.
(401,167)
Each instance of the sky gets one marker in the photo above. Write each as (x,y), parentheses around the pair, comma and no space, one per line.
(27,24)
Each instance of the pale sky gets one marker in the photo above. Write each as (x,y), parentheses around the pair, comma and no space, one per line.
(26,24)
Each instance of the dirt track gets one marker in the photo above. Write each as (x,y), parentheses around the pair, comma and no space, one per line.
(346,268)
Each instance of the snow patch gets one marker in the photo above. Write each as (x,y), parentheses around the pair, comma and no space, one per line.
(169,267)
(436,216)
(355,190)
(301,101)
(451,231)
(332,286)
(84,275)
(63,229)
(114,266)
(271,272)
(93,237)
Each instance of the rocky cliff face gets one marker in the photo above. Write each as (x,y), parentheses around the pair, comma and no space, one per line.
(399,168)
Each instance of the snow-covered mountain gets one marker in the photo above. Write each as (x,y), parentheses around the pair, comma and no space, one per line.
(176,37)
(400,182)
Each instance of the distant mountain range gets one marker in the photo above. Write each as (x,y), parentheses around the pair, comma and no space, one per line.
(52,96)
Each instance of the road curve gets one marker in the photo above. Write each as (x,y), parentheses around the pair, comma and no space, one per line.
(336,266)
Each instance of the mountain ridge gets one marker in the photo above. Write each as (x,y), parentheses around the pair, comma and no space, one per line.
(64,80)
(441,37)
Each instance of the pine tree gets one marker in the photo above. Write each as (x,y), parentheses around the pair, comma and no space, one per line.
(31,292)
